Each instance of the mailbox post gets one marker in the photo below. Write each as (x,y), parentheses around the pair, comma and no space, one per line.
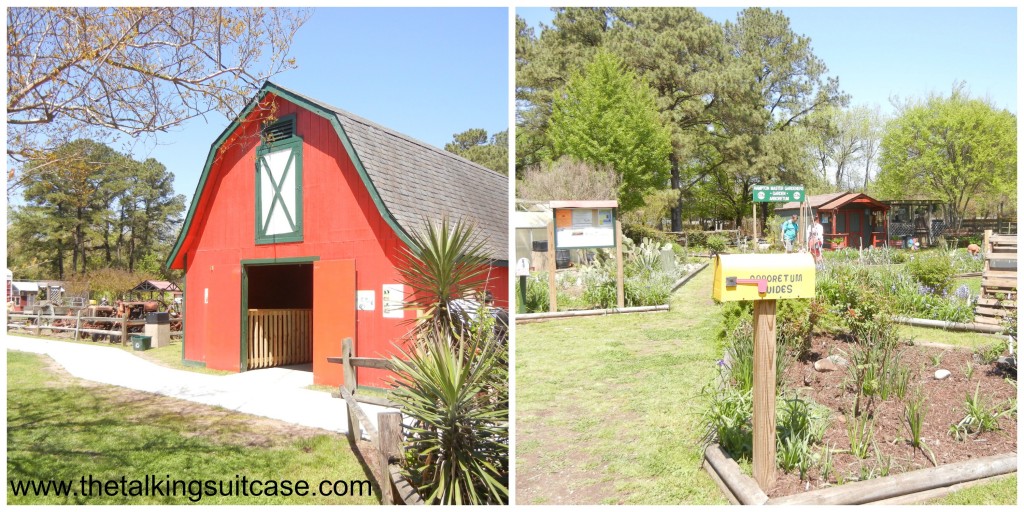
(763,279)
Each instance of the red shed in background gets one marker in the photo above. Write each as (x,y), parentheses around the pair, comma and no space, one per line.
(292,239)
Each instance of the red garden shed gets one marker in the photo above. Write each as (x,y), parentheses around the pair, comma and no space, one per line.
(857,219)
(292,239)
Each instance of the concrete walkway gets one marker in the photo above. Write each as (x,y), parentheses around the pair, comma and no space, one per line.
(276,393)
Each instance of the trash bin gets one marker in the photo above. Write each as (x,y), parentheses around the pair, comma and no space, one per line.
(141,342)
(562,258)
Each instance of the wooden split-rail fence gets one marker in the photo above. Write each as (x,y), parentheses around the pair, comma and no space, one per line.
(79,324)
(998,297)
(386,437)
(279,337)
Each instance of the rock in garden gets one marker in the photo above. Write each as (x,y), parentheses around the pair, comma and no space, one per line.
(941,374)
(838,360)
(825,365)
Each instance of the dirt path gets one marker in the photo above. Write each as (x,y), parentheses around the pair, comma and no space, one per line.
(603,407)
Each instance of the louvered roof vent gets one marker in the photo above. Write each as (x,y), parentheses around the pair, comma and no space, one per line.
(279,130)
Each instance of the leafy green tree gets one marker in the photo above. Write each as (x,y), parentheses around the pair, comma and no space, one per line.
(69,196)
(473,144)
(680,52)
(101,208)
(606,116)
(957,148)
(777,82)
(735,97)
(543,65)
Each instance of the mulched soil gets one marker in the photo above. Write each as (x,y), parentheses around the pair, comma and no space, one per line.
(945,406)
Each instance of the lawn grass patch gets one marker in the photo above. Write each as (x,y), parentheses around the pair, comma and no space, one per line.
(999,492)
(64,428)
(972,340)
(608,408)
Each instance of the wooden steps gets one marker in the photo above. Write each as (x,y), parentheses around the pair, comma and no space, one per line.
(998,297)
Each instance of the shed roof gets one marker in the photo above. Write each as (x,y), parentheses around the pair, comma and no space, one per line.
(834,201)
(25,286)
(815,201)
(151,285)
(409,180)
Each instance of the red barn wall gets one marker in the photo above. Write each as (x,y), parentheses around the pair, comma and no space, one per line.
(340,222)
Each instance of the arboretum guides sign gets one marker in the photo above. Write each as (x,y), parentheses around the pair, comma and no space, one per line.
(778,193)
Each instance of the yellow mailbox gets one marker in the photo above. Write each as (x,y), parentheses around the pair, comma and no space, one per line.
(763,277)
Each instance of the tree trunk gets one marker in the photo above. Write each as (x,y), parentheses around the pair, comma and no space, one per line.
(677,209)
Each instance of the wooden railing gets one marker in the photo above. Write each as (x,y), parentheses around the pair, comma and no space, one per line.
(387,436)
(280,337)
(120,327)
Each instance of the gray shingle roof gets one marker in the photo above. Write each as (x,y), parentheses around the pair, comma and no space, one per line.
(416,180)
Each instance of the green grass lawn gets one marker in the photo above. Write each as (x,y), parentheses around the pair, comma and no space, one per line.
(607,408)
(1000,492)
(63,428)
(972,340)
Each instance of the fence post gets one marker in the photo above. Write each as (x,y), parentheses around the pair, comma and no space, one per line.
(389,444)
(39,321)
(349,375)
(78,322)
(124,329)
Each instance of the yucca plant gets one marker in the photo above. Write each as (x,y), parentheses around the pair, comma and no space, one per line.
(458,441)
(445,262)
(452,380)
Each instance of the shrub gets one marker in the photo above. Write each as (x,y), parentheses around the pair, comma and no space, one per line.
(796,321)
(537,298)
(696,238)
(935,272)
(716,244)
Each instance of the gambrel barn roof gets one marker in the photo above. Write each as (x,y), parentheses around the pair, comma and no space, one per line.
(409,180)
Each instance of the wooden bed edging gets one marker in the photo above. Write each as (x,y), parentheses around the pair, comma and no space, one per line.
(590,312)
(904,488)
(949,326)
(743,488)
(913,482)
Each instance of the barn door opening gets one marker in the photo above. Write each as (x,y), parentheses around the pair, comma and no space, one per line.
(279,316)
(334,316)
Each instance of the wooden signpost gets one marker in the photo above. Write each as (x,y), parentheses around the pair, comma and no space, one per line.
(584,225)
(763,279)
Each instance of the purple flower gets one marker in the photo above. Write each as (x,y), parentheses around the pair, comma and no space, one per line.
(962,292)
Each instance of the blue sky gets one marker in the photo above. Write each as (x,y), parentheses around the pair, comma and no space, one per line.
(908,52)
(427,73)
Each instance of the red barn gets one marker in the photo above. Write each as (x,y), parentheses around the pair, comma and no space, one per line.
(292,240)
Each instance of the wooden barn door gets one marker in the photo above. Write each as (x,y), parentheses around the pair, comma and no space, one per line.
(334,316)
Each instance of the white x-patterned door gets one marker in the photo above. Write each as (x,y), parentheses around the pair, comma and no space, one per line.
(280,193)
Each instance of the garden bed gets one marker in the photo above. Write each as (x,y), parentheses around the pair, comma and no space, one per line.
(891,451)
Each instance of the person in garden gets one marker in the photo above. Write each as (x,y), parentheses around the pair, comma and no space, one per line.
(789,231)
(815,239)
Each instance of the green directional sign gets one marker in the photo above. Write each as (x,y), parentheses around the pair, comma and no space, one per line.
(778,193)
